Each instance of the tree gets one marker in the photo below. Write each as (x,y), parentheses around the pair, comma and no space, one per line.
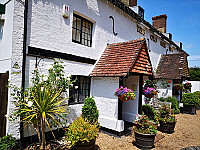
(194,74)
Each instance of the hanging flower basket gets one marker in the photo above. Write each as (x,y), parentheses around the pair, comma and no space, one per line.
(187,85)
(149,92)
(124,94)
(178,86)
(148,95)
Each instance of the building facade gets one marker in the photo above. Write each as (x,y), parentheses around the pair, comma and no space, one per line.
(34,32)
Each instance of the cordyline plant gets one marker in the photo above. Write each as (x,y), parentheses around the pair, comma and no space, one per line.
(42,103)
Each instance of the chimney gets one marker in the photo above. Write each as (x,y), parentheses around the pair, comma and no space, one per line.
(179,44)
(159,22)
(132,3)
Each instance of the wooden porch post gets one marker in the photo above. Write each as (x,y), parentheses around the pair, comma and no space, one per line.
(119,101)
(140,93)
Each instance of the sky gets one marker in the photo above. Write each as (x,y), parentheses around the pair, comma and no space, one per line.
(183,23)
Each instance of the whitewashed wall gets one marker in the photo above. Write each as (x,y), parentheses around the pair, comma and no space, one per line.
(195,86)
(130,108)
(164,92)
(102,90)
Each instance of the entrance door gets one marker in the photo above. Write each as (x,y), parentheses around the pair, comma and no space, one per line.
(3,102)
(130,108)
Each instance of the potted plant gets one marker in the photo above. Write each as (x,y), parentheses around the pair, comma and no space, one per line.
(125,94)
(167,120)
(187,85)
(178,86)
(190,102)
(145,132)
(82,134)
(149,92)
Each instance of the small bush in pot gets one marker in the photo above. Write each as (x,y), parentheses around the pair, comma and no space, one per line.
(145,132)
(190,101)
(89,110)
(81,131)
(167,120)
(7,142)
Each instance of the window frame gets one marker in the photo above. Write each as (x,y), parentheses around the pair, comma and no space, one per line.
(79,90)
(81,30)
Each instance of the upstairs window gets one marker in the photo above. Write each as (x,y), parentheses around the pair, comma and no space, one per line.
(80,90)
(82,30)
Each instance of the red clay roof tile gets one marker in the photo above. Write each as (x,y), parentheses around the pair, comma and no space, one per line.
(119,59)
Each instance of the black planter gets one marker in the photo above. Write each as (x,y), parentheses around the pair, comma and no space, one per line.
(189,109)
(84,146)
(167,127)
(145,141)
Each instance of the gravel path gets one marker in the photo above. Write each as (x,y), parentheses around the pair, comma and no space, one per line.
(187,133)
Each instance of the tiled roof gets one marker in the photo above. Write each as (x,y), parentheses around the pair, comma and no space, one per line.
(119,59)
(172,66)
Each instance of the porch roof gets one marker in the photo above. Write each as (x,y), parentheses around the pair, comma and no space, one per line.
(120,59)
(173,66)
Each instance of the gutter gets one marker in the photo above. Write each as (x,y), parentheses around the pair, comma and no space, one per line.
(24,65)
(135,16)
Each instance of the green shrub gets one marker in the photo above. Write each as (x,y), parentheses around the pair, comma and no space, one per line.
(81,130)
(7,142)
(190,99)
(150,113)
(174,106)
(89,110)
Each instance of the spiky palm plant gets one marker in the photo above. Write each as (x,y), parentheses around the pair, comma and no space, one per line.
(43,105)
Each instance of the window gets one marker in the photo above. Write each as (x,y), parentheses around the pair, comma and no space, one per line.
(80,90)
(82,30)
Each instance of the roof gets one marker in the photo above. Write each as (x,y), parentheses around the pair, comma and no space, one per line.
(172,66)
(134,15)
(120,59)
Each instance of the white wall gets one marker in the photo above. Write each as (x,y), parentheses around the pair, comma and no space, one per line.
(130,108)
(164,92)
(102,90)
(6,31)
(195,86)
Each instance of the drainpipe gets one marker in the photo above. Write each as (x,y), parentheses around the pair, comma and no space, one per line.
(24,65)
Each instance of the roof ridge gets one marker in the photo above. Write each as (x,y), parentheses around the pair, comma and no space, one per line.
(126,42)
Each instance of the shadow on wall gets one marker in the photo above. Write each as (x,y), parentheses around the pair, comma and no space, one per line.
(165,93)
(72,115)
(1,29)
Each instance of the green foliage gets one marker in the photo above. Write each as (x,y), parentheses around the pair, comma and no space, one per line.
(143,125)
(165,115)
(174,106)
(42,104)
(7,142)
(89,110)
(194,74)
(81,131)
(150,112)
(191,99)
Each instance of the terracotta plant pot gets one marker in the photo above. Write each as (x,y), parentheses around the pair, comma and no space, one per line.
(84,146)
(149,95)
(167,127)
(144,141)
(122,99)
(178,88)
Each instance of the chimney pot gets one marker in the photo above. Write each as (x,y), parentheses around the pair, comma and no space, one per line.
(132,3)
(159,22)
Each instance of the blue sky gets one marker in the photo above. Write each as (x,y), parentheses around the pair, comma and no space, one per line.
(183,23)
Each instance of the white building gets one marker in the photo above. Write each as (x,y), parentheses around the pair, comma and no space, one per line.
(80,32)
